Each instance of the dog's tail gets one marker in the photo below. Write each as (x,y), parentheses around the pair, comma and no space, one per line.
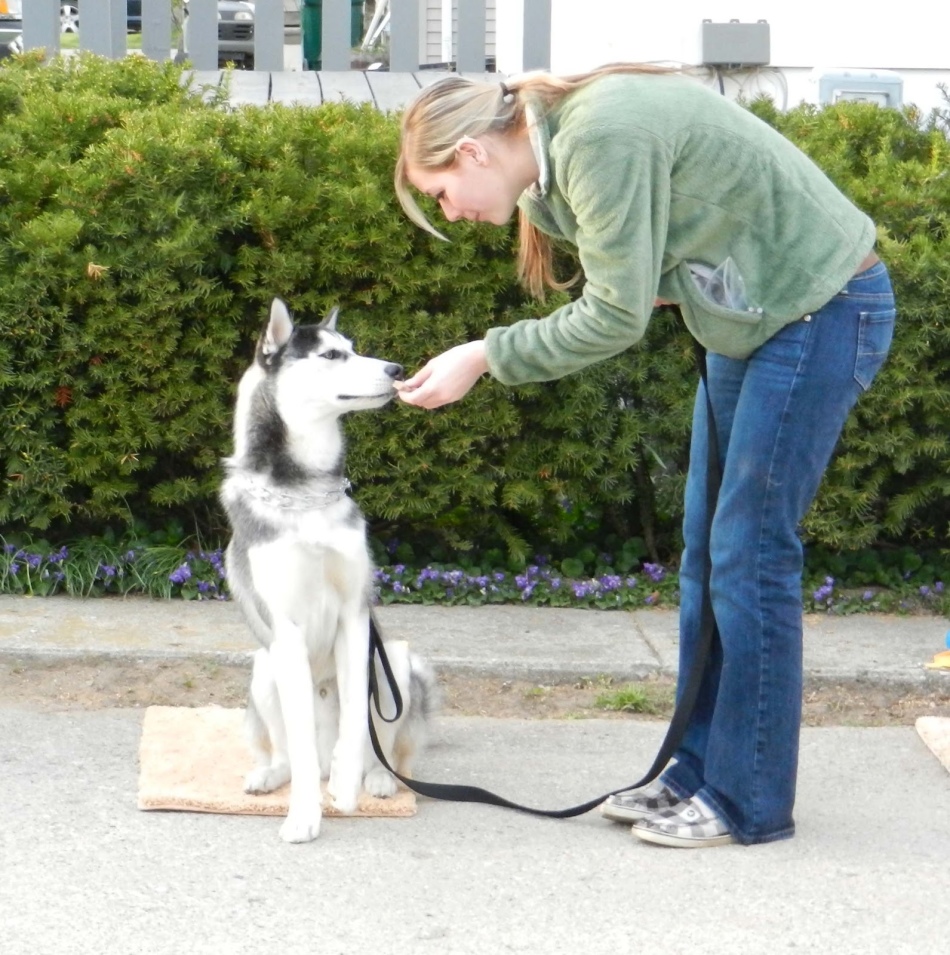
(423,688)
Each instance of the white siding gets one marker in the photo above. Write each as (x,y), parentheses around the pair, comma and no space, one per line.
(911,39)
(432,17)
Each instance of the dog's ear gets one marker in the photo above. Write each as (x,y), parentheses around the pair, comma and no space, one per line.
(330,321)
(279,328)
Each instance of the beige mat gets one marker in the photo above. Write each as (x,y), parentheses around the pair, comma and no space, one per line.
(195,760)
(935,732)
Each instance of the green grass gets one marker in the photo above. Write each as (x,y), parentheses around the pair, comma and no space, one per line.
(70,41)
(641,698)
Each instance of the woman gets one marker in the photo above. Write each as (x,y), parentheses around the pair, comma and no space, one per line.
(671,193)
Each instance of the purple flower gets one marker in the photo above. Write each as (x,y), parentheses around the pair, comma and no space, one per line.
(925,591)
(106,570)
(180,575)
(938,587)
(58,556)
(581,589)
(427,573)
(34,560)
(654,571)
(867,595)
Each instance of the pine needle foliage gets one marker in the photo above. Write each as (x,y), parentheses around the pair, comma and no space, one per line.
(144,231)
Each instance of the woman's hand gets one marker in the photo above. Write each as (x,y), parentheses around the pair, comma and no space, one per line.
(445,378)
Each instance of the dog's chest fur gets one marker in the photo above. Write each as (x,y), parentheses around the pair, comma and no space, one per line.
(298,547)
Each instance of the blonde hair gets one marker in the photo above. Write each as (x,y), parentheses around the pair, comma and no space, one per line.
(455,107)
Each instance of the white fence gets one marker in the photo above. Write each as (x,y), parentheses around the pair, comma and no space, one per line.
(102,30)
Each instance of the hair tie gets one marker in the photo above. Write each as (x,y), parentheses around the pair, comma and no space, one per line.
(506,94)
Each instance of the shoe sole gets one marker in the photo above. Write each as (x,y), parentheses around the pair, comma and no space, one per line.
(682,842)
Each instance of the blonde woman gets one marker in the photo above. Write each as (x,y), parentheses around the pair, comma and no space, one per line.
(670,192)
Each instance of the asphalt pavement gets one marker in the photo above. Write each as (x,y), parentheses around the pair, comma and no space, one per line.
(82,870)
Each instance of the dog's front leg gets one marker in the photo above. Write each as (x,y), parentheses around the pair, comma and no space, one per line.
(291,665)
(352,672)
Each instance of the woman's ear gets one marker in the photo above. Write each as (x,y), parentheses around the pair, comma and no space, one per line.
(472,149)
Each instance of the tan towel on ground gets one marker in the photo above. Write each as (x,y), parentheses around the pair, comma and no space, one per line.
(935,732)
(195,760)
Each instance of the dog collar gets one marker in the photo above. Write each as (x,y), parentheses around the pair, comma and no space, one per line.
(303,500)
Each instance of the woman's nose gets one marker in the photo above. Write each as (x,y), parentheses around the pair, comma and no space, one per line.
(449,211)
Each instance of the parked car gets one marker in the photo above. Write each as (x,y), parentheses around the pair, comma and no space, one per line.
(69,16)
(11,27)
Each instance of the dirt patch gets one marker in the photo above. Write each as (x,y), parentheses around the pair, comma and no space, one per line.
(58,685)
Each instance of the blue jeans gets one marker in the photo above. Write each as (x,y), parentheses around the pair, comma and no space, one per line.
(778,416)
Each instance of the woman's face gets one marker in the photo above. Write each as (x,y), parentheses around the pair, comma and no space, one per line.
(475,187)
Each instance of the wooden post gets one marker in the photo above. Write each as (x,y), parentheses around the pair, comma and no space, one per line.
(157,29)
(41,27)
(103,26)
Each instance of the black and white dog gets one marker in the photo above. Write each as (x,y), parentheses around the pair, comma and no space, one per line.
(299,567)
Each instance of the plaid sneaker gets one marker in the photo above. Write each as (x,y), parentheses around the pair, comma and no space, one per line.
(639,803)
(690,824)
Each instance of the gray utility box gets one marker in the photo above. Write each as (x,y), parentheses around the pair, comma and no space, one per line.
(735,43)
(883,87)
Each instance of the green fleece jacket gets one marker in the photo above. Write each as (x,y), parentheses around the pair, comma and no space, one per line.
(645,174)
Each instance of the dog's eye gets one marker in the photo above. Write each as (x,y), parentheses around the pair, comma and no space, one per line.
(331,355)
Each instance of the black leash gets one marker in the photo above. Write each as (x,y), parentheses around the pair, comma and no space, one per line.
(681,714)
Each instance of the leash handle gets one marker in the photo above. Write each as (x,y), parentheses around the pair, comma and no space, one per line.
(684,705)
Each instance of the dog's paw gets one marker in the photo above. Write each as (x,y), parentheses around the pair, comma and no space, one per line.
(380,782)
(265,779)
(346,779)
(300,827)
(344,798)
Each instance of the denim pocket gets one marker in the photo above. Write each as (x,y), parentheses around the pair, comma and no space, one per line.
(875,331)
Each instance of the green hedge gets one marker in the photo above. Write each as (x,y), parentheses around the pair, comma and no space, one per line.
(144,231)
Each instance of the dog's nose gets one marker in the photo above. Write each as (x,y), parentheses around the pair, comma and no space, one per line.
(395,372)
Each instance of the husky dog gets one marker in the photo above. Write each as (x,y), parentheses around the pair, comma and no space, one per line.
(299,567)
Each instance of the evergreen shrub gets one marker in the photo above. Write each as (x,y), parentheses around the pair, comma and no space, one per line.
(144,231)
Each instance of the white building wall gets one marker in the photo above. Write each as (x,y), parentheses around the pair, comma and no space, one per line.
(912,39)
(432,17)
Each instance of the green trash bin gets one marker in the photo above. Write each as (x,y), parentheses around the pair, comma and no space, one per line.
(311,29)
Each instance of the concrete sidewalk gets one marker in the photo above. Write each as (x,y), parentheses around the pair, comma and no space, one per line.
(82,870)
(546,645)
